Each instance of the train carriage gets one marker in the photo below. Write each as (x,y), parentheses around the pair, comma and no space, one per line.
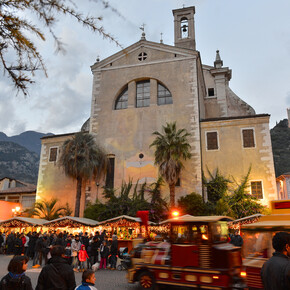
(196,255)
(258,240)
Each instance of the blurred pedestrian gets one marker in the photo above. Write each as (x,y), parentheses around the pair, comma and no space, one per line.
(57,274)
(38,252)
(16,278)
(114,252)
(95,245)
(275,272)
(236,239)
(10,243)
(18,245)
(75,247)
(88,281)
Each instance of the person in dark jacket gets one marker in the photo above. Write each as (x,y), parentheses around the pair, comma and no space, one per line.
(31,245)
(114,252)
(85,240)
(275,272)
(10,243)
(95,250)
(16,278)
(57,274)
(18,245)
(38,252)
(236,239)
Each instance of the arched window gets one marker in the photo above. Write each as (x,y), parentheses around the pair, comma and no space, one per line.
(163,95)
(143,94)
(122,100)
(184,27)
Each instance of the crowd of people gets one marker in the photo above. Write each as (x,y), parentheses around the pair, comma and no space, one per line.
(64,253)
(82,251)
(56,274)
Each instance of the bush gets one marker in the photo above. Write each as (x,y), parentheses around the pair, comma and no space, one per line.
(192,204)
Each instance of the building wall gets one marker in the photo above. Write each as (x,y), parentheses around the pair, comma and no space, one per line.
(128,132)
(52,182)
(234,160)
(283,186)
(6,209)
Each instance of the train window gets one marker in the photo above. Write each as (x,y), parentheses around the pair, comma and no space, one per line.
(193,237)
(180,234)
(220,232)
(204,232)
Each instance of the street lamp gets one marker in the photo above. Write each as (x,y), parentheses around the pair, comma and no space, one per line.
(16,211)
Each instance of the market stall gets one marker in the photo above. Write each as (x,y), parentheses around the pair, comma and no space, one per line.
(237,224)
(22,224)
(125,227)
(72,225)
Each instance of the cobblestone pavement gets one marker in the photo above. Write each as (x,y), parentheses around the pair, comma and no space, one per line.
(106,279)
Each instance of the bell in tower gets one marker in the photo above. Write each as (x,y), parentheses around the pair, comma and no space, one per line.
(184,35)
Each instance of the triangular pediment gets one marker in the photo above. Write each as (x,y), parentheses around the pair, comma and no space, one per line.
(143,52)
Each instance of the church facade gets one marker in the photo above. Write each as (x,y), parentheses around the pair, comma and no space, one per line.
(141,88)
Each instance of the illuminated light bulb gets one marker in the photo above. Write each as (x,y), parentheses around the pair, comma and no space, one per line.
(243,274)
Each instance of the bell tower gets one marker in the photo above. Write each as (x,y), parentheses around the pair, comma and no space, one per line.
(184,34)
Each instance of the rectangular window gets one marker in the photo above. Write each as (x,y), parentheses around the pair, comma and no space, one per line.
(212,140)
(28,201)
(2,197)
(53,154)
(110,173)
(210,92)
(143,94)
(257,189)
(248,138)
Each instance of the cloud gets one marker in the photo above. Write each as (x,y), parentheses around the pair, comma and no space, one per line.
(288,99)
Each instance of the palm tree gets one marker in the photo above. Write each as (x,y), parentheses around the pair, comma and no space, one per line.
(83,160)
(170,149)
(47,209)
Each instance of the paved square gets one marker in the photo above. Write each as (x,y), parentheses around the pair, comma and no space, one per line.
(106,279)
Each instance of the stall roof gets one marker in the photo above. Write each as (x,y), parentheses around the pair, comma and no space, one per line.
(274,221)
(83,221)
(127,217)
(257,215)
(29,221)
(189,218)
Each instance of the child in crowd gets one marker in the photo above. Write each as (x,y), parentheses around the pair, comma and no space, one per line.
(104,252)
(16,278)
(88,281)
(83,256)
(67,253)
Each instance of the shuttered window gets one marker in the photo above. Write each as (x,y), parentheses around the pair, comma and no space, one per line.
(53,154)
(257,189)
(212,140)
(248,138)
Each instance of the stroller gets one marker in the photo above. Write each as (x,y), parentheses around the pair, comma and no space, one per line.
(124,260)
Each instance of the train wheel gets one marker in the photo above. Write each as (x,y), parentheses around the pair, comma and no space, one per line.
(146,280)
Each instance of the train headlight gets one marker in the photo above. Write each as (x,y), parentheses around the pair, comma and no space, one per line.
(243,274)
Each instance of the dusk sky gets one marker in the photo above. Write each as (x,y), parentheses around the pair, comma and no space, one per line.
(253,37)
